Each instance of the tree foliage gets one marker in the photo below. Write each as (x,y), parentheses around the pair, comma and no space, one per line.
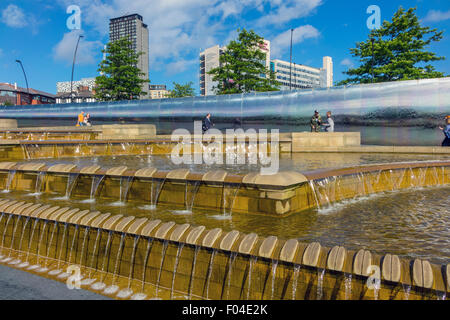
(242,66)
(181,90)
(398,51)
(120,77)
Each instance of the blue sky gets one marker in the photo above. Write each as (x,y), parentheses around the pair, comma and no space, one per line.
(36,33)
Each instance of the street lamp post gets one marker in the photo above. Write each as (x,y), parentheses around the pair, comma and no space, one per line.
(73,66)
(290,64)
(26,81)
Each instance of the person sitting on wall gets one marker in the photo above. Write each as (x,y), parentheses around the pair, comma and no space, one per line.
(87,121)
(316,122)
(207,123)
(446,130)
(80,121)
(329,126)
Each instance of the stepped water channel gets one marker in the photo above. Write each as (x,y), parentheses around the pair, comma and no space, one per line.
(141,232)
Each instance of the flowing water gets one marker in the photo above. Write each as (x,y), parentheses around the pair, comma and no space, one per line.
(208,276)
(295,281)
(180,248)
(320,275)
(9,180)
(163,255)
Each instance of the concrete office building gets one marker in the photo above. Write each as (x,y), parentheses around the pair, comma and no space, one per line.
(210,59)
(133,27)
(298,76)
(158,91)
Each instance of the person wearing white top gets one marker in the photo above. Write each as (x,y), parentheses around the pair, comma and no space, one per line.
(329,126)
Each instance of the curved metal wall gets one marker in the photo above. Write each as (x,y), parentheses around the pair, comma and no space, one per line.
(424,96)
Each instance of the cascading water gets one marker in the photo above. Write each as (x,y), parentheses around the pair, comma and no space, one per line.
(128,291)
(30,239)
(125,183)
(113,287)
(16,261)
(274,271)
(58,270)
(142,295)
(406,291)
(12,240)
(11,175)
(348,286)
(253,260)
(180,248)
(295,281)
(4,234)
(88,281)
(192,277)
(320,276)
(208,276)
(38,249)
(163,255)
(71,181)
(155,190)
(39,180)
(230,269)
(96,180)
(100,285)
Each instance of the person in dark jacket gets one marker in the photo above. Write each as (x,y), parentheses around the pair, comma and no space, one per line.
(446,130)
(207,123)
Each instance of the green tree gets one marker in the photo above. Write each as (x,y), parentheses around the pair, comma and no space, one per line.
(242,66)
(120,77)
(181,90)
(398,51)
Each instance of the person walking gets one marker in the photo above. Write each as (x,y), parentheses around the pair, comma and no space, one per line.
(207,123)
(80,121)
(316,122)
(446,130)
(329,126)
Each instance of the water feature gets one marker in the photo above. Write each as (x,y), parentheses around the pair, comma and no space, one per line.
(38,185)
(71,181)
(320,275)
(125,293)
(253,260)
(163,255)
(208,275)
(4,234)
(230,269)
(100,285)
(406,291)
(155,190)
(9,180)
(125,183)
(144,266)
(229,192)
(274,271)
(192,277)
(38,249)
(113,287)
(175,267)
(58,271)
(89,280)
(17,260)
(96,180)
(348,286)
(295,281)
(30,239)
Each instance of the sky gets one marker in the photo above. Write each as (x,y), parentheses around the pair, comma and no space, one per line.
(37,32)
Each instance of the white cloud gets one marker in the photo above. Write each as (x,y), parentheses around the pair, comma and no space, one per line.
(347,62)
(287,10)
(282,41)
(87,50)
(14,17)
(179,66)
(178,29)
(437,15)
